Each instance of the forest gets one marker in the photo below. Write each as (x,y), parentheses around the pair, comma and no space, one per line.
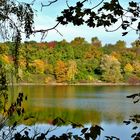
(73,62)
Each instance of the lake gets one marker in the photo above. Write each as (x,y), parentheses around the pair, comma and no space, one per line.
(106,106)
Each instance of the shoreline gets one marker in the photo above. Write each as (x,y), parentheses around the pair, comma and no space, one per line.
(74,84)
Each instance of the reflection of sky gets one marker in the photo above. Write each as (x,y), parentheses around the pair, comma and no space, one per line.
(110,129)
(47,17)
(121,131)
(105,105)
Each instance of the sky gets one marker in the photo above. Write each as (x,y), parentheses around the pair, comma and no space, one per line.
(47,18)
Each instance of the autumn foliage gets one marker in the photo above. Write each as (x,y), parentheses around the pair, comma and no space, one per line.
(75,61)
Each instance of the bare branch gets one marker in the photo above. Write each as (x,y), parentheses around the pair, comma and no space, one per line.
(58,32)
(84,1)
(46,30)
(50,3)
(113,29)
(32,3)
(67,3)
(97,5)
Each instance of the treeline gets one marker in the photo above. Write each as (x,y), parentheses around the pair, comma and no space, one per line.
(72,62)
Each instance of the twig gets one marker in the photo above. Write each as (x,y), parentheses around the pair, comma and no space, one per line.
(58,32)
(67,3)
(46,30)
(97,5)
(50,3)
(114,29)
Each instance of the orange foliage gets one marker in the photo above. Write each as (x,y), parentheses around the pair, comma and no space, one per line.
(60,71)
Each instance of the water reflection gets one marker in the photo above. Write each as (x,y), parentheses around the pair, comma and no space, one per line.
(106,106)
(82,104)
(124,132)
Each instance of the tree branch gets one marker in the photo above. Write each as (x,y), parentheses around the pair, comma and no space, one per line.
(97,5)
(113,29)
(45,30)
(50,3)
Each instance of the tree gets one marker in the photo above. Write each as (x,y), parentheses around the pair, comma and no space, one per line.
(136,44)
(96,42)
(79,45)
(110,67)
(103,14)
(136,66)
(18,17)
(120,44)
(128,71)
(39,66)
(127,56)
(72,70)
(128,68)
(60,71)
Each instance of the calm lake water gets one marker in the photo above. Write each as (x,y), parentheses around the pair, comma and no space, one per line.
(106,106)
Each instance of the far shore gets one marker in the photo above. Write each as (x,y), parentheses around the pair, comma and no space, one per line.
(93,83)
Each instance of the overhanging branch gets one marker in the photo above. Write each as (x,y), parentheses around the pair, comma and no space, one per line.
(45,30)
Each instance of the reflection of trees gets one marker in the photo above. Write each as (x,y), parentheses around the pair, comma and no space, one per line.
(48,114)
(49,102)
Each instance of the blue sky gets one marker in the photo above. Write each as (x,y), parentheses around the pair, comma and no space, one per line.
(47,17)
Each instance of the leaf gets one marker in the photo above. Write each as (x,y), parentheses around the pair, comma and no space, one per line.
(136,101)
(14,125)
(113,137)
(125,21)
(138,26)
(79,4)
(134,128)
(87,136)
(95,131)
(26,98)
(132,4)
(76,137)
(84,130)
(113,20)
(55,121)
(26,133)
(124,33)
(108,138)
(74,125)
(127,122)
(133,19)
(132,96)
(87,11)
(133,135)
